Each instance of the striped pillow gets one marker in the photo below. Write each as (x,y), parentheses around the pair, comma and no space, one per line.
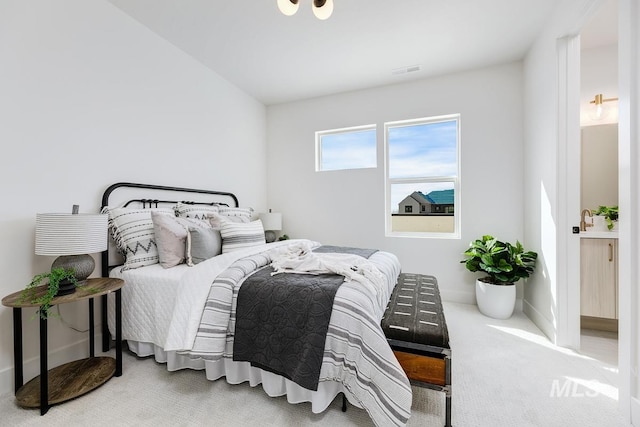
(132,230)
(240,235)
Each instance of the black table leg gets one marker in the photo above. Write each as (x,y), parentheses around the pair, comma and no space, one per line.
(44,375)
(118,333)
(17,348)
(106,338)
(92,339)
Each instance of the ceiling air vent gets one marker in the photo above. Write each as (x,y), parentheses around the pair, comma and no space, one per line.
(405,70)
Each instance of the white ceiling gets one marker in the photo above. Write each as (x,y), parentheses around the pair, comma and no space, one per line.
(602,29)
(278,59)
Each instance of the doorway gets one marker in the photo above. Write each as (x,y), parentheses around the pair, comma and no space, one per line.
(599,186)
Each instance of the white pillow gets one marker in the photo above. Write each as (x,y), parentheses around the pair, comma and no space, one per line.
(187,210)
(240,235)
(236,214)
(132,230)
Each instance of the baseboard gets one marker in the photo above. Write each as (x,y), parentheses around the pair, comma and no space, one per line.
(599,324)
(539,320)
(57,357)
(458,296)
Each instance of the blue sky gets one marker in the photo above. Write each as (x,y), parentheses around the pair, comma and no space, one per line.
(352,150)
(424,150)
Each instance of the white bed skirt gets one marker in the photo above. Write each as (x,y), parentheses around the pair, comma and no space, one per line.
(239,372)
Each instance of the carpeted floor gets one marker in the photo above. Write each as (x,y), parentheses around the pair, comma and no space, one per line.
(505,373)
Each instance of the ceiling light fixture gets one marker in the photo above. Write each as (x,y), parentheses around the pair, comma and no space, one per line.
(322,9)
(600,111)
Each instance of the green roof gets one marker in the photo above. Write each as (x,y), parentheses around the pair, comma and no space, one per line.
(441,197)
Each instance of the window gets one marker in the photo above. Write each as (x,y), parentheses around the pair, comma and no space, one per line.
(349,148)
(422,177)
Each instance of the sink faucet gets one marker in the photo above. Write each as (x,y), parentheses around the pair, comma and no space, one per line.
(583,223)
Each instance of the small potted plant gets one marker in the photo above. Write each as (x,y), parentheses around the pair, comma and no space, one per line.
(60,282)
(504,265)
(609,213)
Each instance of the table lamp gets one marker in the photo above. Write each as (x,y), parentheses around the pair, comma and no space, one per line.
(271,222)
(71,237)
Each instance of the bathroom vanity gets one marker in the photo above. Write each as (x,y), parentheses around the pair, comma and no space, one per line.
(599,280)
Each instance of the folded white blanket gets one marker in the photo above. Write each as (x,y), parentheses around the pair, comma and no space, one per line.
(300,259)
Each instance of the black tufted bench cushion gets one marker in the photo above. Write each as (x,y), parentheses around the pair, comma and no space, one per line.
(416,329)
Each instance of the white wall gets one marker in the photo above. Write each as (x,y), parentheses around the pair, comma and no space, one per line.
(598,74)
(90,97)
(347,207)
(542,222)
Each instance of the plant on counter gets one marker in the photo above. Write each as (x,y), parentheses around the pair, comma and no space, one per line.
(503,262)
(56,277)
(610,214)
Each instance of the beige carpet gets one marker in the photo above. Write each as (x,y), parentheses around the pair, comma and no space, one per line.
(505,373)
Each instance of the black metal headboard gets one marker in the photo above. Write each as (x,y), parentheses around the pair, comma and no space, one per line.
(148,196)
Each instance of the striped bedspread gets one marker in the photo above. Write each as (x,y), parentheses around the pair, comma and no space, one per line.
(356,352)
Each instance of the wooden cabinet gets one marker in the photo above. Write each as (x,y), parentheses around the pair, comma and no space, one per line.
(599,278)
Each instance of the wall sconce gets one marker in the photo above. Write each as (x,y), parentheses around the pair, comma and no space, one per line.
(601,111)
(322,9)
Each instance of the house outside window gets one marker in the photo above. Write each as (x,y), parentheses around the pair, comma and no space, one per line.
(347,148)
(422,170)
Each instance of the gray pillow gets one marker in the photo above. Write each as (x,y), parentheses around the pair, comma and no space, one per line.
(202,244)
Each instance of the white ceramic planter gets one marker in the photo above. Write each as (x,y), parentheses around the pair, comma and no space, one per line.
(496,301)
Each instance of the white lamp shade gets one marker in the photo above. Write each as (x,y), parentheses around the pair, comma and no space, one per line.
(70,234)
(325,11)
(271,221)
(287,7)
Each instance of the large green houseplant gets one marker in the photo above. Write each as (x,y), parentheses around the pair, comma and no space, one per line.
(504,265)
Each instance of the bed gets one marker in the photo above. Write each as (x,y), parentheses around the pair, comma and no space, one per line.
(193,314)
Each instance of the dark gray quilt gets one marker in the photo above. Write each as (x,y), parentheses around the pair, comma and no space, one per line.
(282,320)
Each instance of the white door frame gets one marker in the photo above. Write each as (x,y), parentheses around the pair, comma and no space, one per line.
(629,186)
(568,304)
(568,326)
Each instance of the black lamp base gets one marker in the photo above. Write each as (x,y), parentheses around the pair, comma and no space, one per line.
(65,288)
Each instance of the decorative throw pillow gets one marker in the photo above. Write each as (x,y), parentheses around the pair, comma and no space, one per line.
(216,220)
(202,244)
(187,210)
(171,236)
(239,235)
(236,214)
(132,230)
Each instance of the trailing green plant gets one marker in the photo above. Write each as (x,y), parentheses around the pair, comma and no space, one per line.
(503,262)
(610,214)
(56,276)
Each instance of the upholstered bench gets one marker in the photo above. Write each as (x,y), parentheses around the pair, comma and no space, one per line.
(415,327)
